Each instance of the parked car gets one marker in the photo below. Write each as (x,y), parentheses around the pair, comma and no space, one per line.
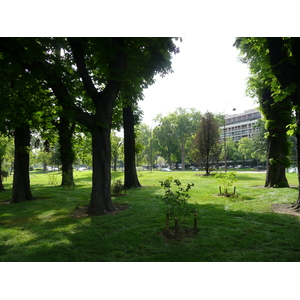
(166,170)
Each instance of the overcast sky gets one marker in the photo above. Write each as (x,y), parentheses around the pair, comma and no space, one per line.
(207,76)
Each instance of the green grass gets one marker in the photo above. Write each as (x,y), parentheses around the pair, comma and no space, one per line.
(242,228)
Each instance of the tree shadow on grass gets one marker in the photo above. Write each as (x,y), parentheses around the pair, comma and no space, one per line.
(46,231)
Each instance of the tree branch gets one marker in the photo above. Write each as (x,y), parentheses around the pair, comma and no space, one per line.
(78,53)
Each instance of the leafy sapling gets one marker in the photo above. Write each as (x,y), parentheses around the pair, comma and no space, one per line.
(226,180)
(176,201)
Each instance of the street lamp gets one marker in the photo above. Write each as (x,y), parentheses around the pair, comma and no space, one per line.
(225,154)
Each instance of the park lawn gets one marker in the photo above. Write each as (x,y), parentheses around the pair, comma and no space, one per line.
(241,228)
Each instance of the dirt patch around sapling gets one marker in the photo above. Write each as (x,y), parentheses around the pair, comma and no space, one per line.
(184,235)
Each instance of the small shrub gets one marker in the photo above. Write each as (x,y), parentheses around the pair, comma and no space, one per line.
(117,186)
(52,179)
(281,185)
(4,174)
(176,202)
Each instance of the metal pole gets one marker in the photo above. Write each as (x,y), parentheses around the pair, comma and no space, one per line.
(225,154)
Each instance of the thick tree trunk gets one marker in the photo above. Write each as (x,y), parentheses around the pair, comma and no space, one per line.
(21,181)
(131,179)
(67,156)
(100,202)
(276,166)
(278,115)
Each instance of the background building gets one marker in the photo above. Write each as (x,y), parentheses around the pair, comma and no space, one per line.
(241,125)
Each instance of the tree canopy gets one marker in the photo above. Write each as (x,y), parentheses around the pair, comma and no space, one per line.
(89,77)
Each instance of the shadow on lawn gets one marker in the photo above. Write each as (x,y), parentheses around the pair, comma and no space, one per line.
(46,231)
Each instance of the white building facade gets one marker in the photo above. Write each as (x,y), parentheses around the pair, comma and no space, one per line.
(241,125)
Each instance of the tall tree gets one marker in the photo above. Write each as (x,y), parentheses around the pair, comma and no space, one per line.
(259,142)
(178,128)
(164,137)
(245,147)
(285,65)
(275,104)
(207,140)
(23,108)
(103,66)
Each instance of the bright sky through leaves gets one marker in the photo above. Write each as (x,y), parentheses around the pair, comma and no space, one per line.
(207,75)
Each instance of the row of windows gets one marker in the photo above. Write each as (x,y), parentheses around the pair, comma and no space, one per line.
(243,118)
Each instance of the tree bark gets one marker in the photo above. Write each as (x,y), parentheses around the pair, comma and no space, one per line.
(131,178)
(67,156)
(278,115)
(206,163)
(100,202)
(2,189)
(21,180)
(182,152)
(296,205)
(115,158)
(276,171)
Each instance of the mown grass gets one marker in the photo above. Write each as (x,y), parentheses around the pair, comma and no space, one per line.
(241,228)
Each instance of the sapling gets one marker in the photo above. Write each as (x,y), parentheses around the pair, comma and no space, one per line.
(226,179)
(176,201)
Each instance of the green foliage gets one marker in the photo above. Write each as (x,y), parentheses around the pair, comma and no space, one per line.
(206,143)
(117,186)
(53,179)
(245,147)
(177,201)
(4,173)
(282,161)
(226,179)
(176,132)
(68,181)
(281,185)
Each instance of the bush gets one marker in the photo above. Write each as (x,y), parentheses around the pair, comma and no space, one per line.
(177,205)
(117,187)
(4,173)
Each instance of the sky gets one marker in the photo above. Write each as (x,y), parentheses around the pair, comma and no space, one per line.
(207,76)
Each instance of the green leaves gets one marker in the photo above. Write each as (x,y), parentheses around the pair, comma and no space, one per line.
(226,179)
(176,201)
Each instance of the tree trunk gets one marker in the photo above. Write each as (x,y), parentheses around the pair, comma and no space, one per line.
(2,189)
(206,165)
(278,115)
(131,179)
(296,205)
(67,156)
(100,202)
(115,163)
(276,168)
(21,181)
(182,159)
